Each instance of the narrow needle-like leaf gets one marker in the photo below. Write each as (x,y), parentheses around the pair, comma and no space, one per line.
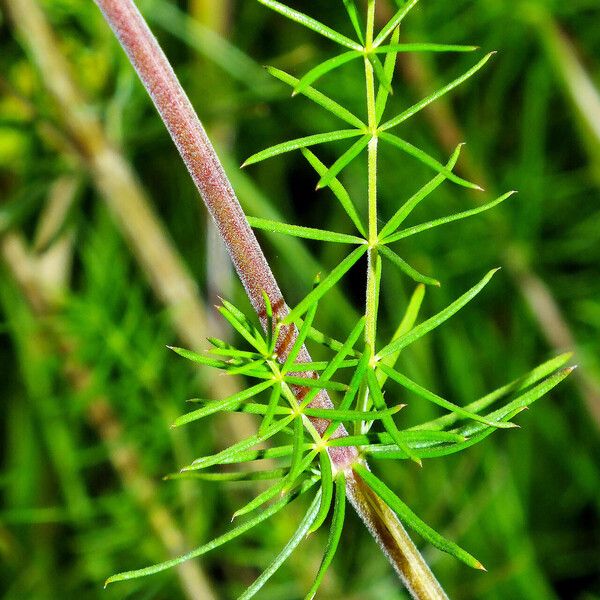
(409,112)
(318,97)
(404,211)
(223,405)
(311,140)
(326,491)
(304,232)
(338,190)
(311,23)
(410,385)
(323,68)
(423,157)
(271,408)
(352,415)
(406,268)
(325,285)
(393,47)
(343,161)
(409,517)
(335,533)
(388,422)
(445,220)
(393,23)
(198,358)
(433,322)
(352,11)
(389,66)
(223,539)
(294,541)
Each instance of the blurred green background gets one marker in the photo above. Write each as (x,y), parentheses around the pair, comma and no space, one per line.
(106,256)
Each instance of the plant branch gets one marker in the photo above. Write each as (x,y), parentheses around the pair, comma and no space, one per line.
(207,172)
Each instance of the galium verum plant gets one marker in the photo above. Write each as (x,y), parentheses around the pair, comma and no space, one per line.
(325,419)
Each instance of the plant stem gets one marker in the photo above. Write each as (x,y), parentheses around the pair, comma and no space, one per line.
(207,172)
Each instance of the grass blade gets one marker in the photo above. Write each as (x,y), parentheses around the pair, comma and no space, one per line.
(423,157)
(408,516)
(223,539)
(445,220)
(323,68)
(406,268)
(294,541)
(304,142)
(304,232)
(335,533)
(409,112)
(338,190)
(433,322)
(318,98)
(326,284)
(393,23)
(343,161)
(404,211)
(311,23)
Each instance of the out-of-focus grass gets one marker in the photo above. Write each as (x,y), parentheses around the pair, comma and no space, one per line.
(525,502)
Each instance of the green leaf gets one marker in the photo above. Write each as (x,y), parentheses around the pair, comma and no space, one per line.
(271,408)
(294,541)
(388,422)
(320,383)
(343,161)
(393,23)
(389,67)
(445,220)
(246,329)
(477,433)
(326,490)
(323,68)
(352,415)
(406,268)
(298,440)
(385,79)
(223,405)
(311,140)
(325,285)
(410,518)
(237,476)
(304,232)
(435,321)
(335,533)
(219,541)
(262,454)
(198,358)
(318,98)
(402,213)
(230,454)
(353,387)
(352,11)
(409,112)
(321,365)
(416,439)
(395,48)
(261,499)
(423,157)
(517,385)
(300,338)
(337,360)
(338,190)
(406,324)
(410,385)
(311,23)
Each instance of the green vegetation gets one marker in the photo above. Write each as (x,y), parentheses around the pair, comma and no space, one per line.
(91,390)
